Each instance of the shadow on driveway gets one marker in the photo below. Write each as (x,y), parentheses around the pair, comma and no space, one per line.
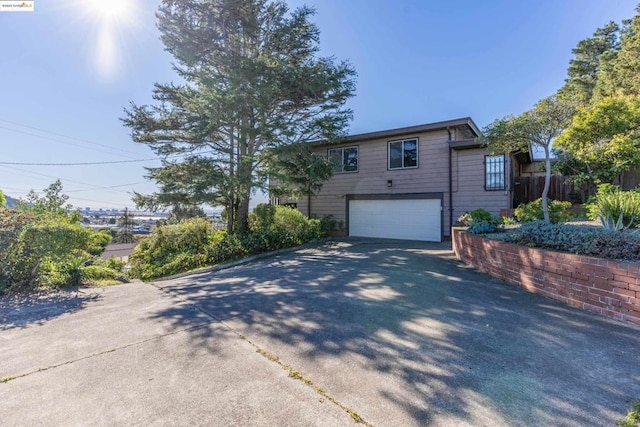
(405,335)
(22,310)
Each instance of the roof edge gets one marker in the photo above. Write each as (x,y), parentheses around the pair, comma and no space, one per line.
(408,130)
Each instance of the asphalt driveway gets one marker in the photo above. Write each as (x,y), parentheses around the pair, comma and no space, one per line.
(397,333)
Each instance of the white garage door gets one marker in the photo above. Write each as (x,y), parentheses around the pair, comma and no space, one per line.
(418,219)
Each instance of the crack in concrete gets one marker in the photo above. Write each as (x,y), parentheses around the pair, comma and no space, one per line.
(293,373)
(9,378)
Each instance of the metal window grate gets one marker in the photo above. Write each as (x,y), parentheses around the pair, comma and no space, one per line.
(494,173)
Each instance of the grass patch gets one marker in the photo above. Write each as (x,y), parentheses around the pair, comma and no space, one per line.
(633,416)
(268,355)
(7,379)
(295,374)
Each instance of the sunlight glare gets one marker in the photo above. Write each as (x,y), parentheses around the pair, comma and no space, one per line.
(119,10)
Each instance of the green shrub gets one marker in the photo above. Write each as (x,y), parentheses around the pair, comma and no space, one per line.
(98,240)
(582,240)
(44,251)
(262,217)
(482,227)
(98,272)
(479,216)
(172,248)
(192,243)
(616,209)
(558,211)
(328,223)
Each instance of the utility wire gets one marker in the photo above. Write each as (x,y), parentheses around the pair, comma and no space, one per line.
(96,163)
(120,151)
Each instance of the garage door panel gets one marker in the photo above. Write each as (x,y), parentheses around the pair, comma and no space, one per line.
(414,219)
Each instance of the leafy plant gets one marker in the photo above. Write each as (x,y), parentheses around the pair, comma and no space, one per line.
(558,211)
(482,227)
(576,239)
(615,208)
(633,416)
(192,243)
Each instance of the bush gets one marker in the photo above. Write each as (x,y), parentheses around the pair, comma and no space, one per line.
(192,243)
(480,221)
(558,211)
(613,206)
(482,227)
(46,252)
(172,248)
(581,240)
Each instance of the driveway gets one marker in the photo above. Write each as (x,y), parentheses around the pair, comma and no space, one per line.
(396,333)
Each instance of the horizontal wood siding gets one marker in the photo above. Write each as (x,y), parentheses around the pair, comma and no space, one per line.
(431,176)
(468,184)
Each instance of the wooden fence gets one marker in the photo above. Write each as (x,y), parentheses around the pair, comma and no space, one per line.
(529,188)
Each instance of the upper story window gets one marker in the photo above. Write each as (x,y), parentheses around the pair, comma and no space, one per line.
(403,154)
(344,159)
(494,172)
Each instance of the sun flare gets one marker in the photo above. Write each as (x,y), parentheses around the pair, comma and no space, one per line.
(119,10)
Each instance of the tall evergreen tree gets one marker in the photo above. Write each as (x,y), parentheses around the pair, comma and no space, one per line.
(252,79)
(620,68)
(588,54)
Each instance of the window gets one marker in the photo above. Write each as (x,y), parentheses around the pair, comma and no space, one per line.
(344,159)
(403,154)
(494,173)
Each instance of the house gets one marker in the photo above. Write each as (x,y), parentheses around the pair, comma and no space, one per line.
(410,183)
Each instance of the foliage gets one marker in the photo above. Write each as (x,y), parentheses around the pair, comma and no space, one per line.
(633,416)
(480,221)
(3,200)
(253,81)
(298,172)
(538,126)
(576,239)
(588,54)
(619,72)
(482,227)
(532,211)
(604,138)
(615,208)
(262,217)
(192,243)
(53,203)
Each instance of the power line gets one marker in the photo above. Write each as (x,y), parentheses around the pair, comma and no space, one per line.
(78,163)
(57,177)
(104,188)
(120,151)
(97,163)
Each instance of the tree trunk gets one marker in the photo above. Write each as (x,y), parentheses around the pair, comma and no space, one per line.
(547,182)
(242,220)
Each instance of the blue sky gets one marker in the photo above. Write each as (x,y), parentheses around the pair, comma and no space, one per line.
(68,69)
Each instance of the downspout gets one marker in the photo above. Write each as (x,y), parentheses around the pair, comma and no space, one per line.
(450,183)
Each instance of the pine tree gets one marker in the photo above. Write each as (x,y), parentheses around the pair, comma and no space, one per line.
(252,81)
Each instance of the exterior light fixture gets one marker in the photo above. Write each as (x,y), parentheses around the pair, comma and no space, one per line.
(389,183)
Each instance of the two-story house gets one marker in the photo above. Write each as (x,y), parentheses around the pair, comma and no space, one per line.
(410,183)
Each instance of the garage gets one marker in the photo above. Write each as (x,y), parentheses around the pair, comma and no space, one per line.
(409,219)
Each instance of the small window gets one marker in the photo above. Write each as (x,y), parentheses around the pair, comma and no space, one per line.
(403,154)
(494,173)
(344,159)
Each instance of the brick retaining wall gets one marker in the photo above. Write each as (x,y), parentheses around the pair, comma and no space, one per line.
(606,287)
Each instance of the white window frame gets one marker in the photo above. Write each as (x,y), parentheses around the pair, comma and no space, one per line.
(342,150)
(403,141)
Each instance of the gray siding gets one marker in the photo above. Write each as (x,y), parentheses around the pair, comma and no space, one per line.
(468,184)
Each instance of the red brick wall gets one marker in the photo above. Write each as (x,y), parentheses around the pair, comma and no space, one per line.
(602,286)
